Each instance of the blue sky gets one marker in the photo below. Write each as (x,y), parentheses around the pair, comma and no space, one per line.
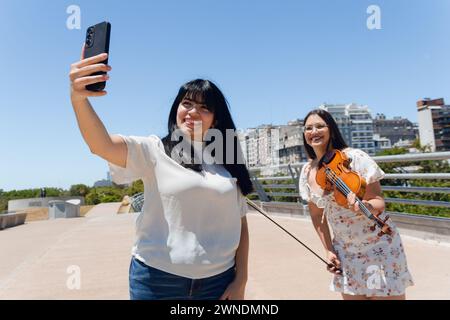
(274,61)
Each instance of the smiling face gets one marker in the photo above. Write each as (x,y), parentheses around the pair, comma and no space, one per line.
(317,132)
(194,118)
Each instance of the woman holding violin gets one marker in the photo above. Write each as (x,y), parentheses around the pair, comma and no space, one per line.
(366,254)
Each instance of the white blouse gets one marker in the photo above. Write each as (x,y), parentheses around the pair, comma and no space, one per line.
(190,223)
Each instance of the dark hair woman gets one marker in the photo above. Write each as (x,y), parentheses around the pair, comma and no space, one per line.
(207,94)
(191,236)
(334,142)
(373,266)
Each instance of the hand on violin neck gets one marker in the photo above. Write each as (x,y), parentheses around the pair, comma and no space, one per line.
(353,205)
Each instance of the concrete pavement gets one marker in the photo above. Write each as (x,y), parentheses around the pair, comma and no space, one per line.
(45,259)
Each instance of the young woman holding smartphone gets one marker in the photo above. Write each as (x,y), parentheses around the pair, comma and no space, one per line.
(191,237)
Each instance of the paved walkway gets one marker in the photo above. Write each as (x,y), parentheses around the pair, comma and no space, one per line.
(39,260)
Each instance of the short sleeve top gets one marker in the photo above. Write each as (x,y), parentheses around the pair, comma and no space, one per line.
(191,222)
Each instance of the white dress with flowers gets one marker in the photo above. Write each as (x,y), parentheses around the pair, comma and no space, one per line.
(371,265)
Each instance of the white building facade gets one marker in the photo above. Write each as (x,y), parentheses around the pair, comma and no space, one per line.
(355,123)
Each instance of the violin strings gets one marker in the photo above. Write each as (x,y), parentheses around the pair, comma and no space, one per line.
(345,189)
(342,186)
(338,182)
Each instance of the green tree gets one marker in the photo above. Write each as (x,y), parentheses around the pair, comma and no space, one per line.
(56,192)
(136,187)
(3,201)
(426,166)
(92,197)
(79,190)
(27,194)
(109,194)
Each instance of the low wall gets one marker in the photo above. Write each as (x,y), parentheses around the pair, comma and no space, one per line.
(35,214)
(20,204)
(432,225)
(12,219)
(63,209)
(429,224)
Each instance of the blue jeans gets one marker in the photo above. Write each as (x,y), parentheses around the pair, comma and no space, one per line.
(148,283)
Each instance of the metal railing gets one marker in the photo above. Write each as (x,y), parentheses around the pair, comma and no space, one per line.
(137,202)
(266,192)
(267,196)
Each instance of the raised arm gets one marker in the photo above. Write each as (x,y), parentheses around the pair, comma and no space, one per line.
(112,148)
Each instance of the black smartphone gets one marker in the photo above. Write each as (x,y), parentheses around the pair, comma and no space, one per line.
(97,42)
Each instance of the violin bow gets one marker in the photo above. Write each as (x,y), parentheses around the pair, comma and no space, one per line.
(261,211)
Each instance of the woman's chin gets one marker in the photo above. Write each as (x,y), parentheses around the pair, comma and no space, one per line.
(186,131)
(318,145)
(190,132)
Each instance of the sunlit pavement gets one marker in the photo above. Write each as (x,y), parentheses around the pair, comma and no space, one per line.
(42,260)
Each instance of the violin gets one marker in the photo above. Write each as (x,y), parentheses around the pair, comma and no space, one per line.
(334,175)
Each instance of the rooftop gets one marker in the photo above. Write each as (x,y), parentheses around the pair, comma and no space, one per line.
(41,254)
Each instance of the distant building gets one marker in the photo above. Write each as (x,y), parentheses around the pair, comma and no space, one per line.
(381,143)
(404,144)
(105,182)
(434,124)
(291,148)
(395,129)
(355,123)
(251,140)
(262,144)
(270,145)
(242,137)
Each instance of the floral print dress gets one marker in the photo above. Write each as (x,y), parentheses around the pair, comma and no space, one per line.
(371,265)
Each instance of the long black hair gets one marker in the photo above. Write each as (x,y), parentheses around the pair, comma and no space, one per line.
(206,92)
(336,139)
